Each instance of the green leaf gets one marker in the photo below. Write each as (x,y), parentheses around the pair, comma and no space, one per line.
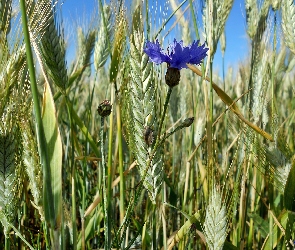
(277,233)
(84,130)
(92,226)
(7,224)
(229,246)
(290,227)
(289,192)
(260,224)
(54,152)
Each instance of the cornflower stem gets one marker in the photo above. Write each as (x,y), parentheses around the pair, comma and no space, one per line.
(47,192)
(163,117)
(159,141)
(105,205)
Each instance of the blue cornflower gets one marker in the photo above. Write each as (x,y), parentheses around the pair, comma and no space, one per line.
(178,55)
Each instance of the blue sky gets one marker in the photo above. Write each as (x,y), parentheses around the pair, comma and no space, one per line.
(237,48)
(80,12)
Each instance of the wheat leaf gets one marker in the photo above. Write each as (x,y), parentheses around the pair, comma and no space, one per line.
(7,224)
(54,151)
(289,192)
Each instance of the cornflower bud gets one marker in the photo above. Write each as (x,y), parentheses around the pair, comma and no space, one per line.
(105,108)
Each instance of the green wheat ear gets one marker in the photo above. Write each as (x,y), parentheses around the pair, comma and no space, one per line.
(214,23)
(288,22)
(47,38)
(102,49)
(141,100)
(5,17)
(215,224)
(32,164)
(10,169)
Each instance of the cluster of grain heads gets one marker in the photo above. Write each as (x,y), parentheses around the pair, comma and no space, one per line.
(256,18)
(214,19)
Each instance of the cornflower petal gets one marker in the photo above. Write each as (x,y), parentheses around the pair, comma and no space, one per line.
(154,51)
(198,53)
(178,56)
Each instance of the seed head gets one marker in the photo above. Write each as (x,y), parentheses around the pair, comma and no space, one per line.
(188,121)
(172,77)
(105,108)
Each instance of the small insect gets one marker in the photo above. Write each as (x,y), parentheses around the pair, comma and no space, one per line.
(148,135)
